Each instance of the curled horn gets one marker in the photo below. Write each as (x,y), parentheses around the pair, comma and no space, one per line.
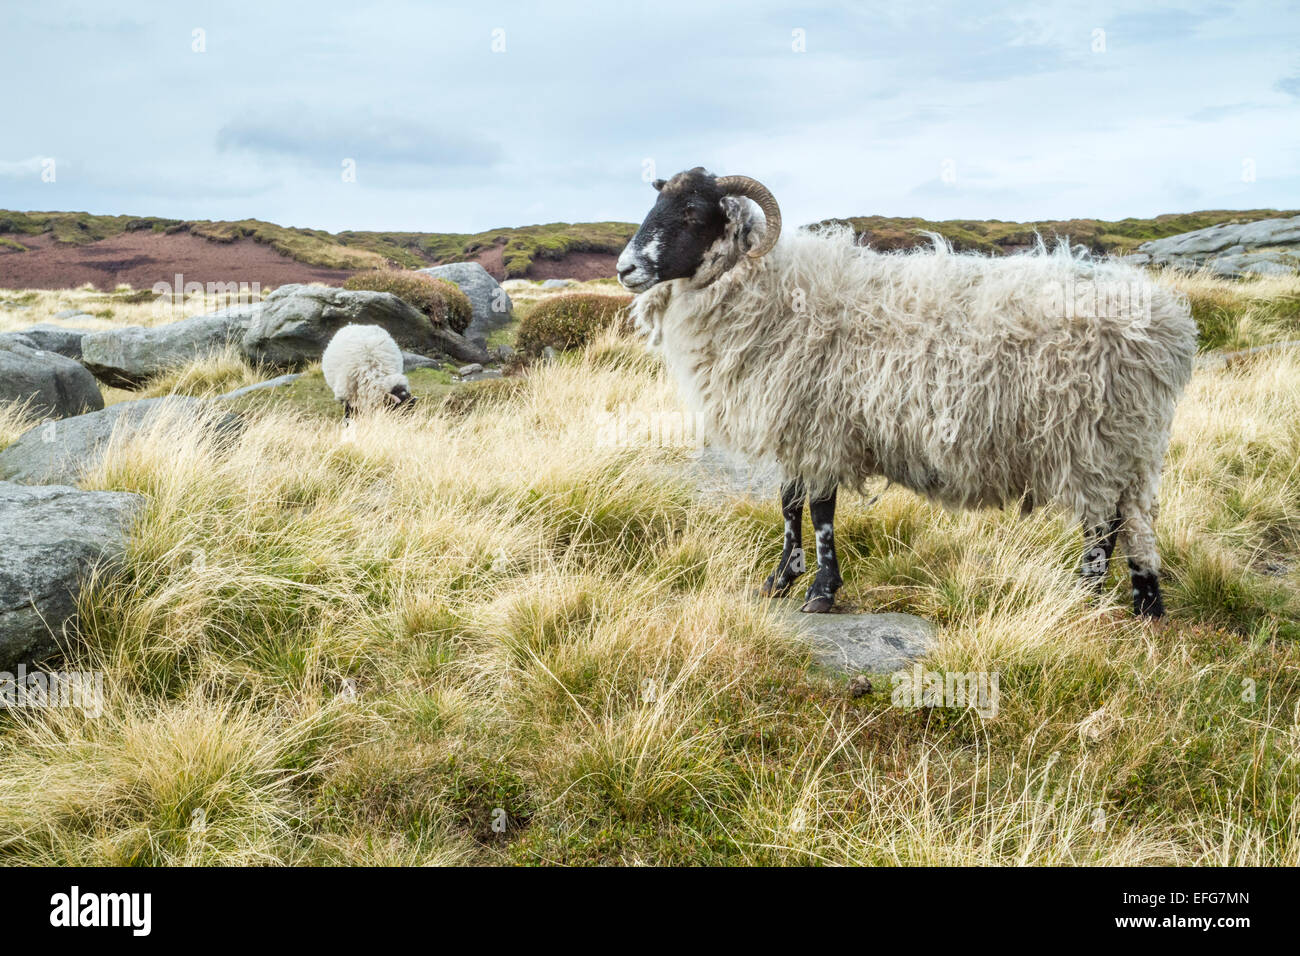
(753,189)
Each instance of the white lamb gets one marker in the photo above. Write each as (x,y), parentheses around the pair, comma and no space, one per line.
(972,380)
(363,366)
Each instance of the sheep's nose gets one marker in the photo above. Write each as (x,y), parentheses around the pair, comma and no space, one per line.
(625,271)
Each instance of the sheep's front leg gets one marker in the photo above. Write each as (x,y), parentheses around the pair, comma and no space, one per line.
(821,595)
(1098,546)
(792,563)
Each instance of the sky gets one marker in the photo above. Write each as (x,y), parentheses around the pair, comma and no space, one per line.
(463,117)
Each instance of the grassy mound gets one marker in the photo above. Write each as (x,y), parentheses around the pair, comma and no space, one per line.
(1238,314)
(443,302)
(569,321)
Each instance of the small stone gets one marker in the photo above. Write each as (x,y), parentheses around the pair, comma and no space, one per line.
(860,686)
(470,369)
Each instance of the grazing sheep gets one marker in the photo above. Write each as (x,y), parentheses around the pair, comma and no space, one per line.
(363,366)
(971,380)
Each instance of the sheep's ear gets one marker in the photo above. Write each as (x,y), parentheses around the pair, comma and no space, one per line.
(659,184)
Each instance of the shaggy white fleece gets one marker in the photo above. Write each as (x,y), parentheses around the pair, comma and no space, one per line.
(970,379)
(362,365)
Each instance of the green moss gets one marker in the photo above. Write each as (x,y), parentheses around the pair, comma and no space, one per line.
(569,321)
(12,245)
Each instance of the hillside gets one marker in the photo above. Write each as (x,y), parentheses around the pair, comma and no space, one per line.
(53,250)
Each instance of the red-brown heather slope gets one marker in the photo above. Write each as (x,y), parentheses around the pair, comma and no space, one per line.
(141,259)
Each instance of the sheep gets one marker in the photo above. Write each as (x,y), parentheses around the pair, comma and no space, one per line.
(972,380)
(363,366)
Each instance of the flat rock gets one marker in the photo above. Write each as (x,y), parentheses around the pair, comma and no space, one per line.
(1272,263)
(52,536)
(411,361)
(59,453)
(864,643)
(259,386)
(1233,250)
(127,357)
(52,385)
(60,339)
(491,304)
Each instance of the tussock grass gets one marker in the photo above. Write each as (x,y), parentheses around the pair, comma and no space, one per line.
(15,418)
(1239,314)
(480,633)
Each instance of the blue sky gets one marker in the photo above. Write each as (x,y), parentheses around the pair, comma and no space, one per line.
(463,117)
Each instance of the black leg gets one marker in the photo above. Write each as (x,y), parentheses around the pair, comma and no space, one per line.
(792,563)
(1098,546)
(821,595)
(347,410)
(1147,601)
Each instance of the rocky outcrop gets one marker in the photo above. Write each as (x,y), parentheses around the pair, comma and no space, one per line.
(492,306)
(1266,247)
(297,322)
(52,537)
(129,356)
(52,338)
(51,385)
(59,453)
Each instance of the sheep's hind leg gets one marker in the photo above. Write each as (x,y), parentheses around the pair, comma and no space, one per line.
(792,563)
(1098,546)
(1139,536)
(821,595)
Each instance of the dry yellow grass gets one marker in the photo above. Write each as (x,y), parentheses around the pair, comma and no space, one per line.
(485,635)
(105,310)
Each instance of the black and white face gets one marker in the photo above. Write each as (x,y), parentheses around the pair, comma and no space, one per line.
(401,397)
(686,220)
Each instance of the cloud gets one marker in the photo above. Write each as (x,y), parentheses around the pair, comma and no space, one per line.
(1290,85)
(364,136)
